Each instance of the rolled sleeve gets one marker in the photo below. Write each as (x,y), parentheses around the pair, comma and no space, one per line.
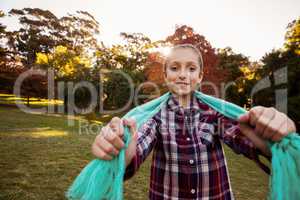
(231,135)
(145,143)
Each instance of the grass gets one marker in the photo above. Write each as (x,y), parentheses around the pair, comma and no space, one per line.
(41,155)
(10,99)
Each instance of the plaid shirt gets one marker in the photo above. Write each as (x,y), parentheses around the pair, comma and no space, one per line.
(188,159)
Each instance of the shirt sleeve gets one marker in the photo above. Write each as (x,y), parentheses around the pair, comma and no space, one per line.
(230,133)
(145,143)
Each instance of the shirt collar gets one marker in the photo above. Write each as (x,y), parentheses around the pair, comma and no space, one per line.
(193,106)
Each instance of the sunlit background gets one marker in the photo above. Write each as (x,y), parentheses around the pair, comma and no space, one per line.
(43,149)
(250,27)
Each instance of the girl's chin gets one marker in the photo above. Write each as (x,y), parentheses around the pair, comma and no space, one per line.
(182,91)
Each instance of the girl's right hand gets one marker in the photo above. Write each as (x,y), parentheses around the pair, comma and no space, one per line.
(110,140)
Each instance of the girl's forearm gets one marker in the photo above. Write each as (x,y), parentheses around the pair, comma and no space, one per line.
(259,142)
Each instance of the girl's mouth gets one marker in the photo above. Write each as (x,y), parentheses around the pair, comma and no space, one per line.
(182,83)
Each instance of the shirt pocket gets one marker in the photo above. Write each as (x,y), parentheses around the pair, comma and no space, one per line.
(205,133)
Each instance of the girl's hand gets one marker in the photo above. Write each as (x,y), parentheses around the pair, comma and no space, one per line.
(110,140)
(268,123)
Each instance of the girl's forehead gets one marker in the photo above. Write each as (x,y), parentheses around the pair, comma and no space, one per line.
(182,55)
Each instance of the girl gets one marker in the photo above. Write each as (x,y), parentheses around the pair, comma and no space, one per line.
(185,137)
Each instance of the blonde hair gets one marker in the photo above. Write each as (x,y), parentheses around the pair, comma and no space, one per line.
(186,46)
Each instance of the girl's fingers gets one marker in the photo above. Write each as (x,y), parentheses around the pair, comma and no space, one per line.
(273,127)
(254,115)
(109,143)
(264,121)
(98,152)
(108,148)
(115,140)
(116,125)
(249,133)
(244,118)
(132,126)
(115,132)
(105,144)
(286,127)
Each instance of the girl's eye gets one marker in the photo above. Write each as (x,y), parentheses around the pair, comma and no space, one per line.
(173,68)
(192,69)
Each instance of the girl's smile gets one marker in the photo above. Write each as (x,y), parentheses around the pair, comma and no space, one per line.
(183,71)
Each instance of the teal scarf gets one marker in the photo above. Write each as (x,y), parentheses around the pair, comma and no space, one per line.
(102,179)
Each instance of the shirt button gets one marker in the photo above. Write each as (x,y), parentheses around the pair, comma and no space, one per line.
(191,161)
(193,191)
(188,139)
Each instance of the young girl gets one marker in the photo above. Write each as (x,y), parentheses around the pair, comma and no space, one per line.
(185,137)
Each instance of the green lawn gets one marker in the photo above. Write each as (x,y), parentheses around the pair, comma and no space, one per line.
(10,99)
(41,155)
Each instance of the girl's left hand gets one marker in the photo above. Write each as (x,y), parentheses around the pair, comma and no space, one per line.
(268,123)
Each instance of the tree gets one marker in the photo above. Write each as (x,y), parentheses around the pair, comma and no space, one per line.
(3,58)
(48,42)
(292,36)
(41,31)
(2,27)
(186,35)
(273,61)
(10,68)
(287,57)
(240,75)
(232,63)
(5,54)
(80,30)
(68,65)
(129,58)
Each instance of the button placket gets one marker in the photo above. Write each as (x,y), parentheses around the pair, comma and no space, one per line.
(184,122)
(193,191)
(185,126)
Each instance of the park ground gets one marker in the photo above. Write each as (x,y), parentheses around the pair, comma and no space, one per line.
(41,155)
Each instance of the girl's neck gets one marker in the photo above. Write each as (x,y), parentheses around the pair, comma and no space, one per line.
(183,100)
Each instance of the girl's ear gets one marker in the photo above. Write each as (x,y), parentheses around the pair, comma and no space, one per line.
(164,72)
(165,77)
(200,76)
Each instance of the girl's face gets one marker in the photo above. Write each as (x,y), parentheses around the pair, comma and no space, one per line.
(182,72)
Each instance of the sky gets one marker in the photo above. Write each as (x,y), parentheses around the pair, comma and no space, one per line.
(252,28)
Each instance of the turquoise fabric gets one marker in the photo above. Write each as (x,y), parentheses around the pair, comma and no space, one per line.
(102,179)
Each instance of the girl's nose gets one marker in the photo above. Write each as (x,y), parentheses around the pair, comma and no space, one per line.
(182,74)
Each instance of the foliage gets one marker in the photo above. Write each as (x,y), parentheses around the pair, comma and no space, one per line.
(292,36)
